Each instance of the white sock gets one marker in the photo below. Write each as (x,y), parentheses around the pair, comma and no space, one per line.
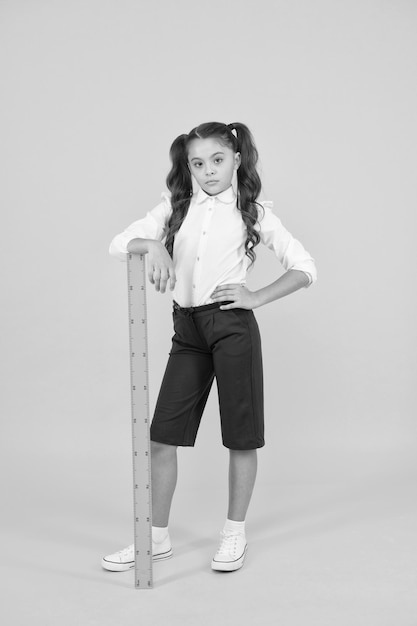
(159,533)
(234,527)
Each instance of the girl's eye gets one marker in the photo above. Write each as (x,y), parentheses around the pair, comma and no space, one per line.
(218,160)
(197,164)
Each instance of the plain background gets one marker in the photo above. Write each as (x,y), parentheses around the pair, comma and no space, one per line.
(93,93)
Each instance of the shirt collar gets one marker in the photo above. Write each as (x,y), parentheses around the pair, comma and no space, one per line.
(226,197)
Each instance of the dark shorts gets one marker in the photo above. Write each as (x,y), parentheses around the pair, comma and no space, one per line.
(210,343)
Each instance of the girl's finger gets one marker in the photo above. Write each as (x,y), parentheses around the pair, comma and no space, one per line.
(163,280)
(230,286)
(224,290)
(223,296)
(172,278)
(226,307)
(157,277)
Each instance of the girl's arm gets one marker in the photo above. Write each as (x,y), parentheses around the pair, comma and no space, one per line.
(300,266)
(245,299)
(144,236)
(283,286)
(160,265)
(290,251)
(152,226)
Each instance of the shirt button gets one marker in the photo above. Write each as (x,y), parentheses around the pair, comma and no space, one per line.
(198,258)
(204,232)
(193,286)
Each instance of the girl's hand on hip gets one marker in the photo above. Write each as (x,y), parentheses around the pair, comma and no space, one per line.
(160,267)
(240,295)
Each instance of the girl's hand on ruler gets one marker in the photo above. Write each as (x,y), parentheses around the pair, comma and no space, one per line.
(160,267)
(240,295)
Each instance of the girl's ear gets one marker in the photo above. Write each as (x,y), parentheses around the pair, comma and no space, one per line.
(237,160)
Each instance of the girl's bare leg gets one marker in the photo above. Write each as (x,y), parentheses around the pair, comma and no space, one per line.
(164,479)
(242,474)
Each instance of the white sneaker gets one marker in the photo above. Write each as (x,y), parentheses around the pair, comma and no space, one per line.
(125,559)
(231,552)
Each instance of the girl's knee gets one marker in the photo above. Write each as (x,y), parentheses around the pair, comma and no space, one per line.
(162,448)
(251,452)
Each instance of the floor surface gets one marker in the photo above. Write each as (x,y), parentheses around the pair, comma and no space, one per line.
(319,555)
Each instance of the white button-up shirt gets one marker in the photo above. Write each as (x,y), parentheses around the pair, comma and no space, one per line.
(209,248)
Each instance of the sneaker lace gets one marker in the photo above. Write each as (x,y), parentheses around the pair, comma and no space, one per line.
(228,543)
(126,551)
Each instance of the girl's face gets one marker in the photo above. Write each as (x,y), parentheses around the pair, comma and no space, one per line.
(212,164)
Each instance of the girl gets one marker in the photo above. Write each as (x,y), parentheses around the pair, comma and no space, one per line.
(209,239)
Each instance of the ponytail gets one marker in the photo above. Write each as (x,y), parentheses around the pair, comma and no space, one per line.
(249,184)
(180,184)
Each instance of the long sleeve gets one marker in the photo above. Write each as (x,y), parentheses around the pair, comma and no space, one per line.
(152,226)
(289,251)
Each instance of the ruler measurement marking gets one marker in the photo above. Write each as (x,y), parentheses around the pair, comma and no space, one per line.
(142,498)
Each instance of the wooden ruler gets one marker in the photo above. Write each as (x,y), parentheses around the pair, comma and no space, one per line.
(141,447)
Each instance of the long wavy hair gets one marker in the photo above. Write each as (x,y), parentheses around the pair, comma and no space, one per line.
(179,180)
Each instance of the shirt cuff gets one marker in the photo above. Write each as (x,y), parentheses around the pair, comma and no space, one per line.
(310,279)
